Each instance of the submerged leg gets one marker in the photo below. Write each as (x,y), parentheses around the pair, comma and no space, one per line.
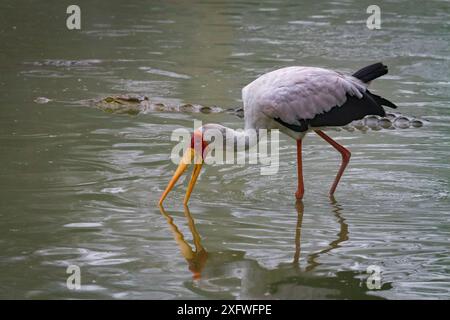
(300,188)
(345,158)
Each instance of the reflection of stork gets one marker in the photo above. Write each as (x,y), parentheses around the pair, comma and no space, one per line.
(196,259)
(287,280)
(295,100)
(298,231)
(342,236)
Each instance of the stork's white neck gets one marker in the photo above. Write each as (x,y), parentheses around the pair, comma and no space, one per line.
(233,139)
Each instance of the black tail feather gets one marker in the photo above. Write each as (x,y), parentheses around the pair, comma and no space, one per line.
(371,72)
(381,101)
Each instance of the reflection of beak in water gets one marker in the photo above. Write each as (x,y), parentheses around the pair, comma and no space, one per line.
(195,259)
(342,234)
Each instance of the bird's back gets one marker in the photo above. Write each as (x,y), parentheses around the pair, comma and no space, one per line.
(295,93)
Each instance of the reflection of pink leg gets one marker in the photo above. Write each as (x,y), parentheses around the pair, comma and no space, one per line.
(300,188)
(345,158)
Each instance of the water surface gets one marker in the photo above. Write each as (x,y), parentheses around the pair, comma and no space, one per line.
(80,186)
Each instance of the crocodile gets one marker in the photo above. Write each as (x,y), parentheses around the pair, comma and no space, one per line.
(133,105)
(136,104)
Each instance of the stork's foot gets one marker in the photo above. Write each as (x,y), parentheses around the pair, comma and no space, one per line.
(299,194)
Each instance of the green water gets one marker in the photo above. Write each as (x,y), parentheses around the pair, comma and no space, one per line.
(80,186)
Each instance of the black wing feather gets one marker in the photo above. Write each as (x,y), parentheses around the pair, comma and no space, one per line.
(353,109)
(371,72)
(381,101)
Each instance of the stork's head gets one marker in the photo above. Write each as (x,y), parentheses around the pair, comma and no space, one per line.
(195,154)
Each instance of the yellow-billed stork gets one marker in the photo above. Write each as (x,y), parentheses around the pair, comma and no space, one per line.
(297,100)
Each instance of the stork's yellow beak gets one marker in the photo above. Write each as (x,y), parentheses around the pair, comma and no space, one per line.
(187,159)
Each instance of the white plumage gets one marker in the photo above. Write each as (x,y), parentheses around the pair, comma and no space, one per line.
(295,93)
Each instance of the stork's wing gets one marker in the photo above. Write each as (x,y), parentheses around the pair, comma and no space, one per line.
(353,109)
(296,93)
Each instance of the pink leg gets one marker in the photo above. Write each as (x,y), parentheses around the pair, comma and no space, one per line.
(345,158)
(300,188)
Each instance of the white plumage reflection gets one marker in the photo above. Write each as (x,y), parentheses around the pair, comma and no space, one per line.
(297,100)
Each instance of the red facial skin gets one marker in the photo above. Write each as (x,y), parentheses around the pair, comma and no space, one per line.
(197,136)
